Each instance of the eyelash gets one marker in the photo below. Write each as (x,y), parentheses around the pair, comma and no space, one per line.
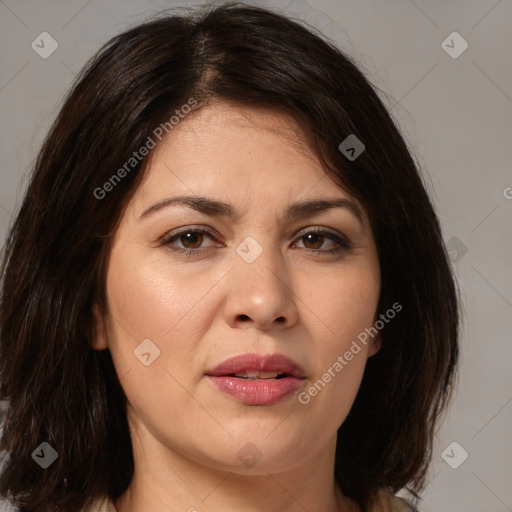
(343,243)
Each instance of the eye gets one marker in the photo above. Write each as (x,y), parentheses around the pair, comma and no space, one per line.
(316,238)
(190,238)
(190,241)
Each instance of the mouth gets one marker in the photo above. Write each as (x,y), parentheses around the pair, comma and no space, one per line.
(255,375)
(254,379)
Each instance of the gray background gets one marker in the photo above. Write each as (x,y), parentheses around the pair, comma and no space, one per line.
(456,114)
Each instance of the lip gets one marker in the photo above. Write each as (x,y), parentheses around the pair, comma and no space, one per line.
(257,391)
(257,362)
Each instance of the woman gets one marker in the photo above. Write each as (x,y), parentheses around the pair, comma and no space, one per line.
(226,288)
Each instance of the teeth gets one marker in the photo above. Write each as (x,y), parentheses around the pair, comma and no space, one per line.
(257,375)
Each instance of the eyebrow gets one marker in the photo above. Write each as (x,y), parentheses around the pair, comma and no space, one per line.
(220,209)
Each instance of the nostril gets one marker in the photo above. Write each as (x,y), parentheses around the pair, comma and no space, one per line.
(244,318)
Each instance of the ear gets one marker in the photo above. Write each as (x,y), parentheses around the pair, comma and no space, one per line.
(100,338)
(375,345)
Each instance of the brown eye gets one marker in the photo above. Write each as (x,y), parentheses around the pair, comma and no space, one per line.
(191,239)
(315,239)
(188,241)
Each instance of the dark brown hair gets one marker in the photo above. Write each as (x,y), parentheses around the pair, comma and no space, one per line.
(61,391)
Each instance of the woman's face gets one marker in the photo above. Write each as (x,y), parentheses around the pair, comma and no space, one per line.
(260,281)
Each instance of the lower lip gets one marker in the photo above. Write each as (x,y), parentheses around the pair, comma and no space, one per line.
(257,392)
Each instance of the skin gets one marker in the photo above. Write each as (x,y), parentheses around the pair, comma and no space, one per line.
(297,300)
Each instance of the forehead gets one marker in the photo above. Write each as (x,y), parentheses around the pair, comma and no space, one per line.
(235,130)
(235,145)
(239,155)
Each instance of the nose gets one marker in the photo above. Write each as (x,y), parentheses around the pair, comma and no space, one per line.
(259,295)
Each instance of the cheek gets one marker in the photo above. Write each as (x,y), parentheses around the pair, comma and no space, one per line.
(346,304)
(148,301)
(345,301)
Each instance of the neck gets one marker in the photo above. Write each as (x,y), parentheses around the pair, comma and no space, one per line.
(167,481)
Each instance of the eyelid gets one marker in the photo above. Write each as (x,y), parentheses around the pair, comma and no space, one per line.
(186,229)
(320,229)
(341,240)
(202,227)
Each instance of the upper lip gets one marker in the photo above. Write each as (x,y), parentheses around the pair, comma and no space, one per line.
(257,362)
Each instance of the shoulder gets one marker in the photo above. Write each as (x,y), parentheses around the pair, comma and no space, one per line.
(386,501)
(102,505)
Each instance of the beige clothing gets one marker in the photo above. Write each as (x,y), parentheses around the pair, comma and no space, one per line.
(385,502)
